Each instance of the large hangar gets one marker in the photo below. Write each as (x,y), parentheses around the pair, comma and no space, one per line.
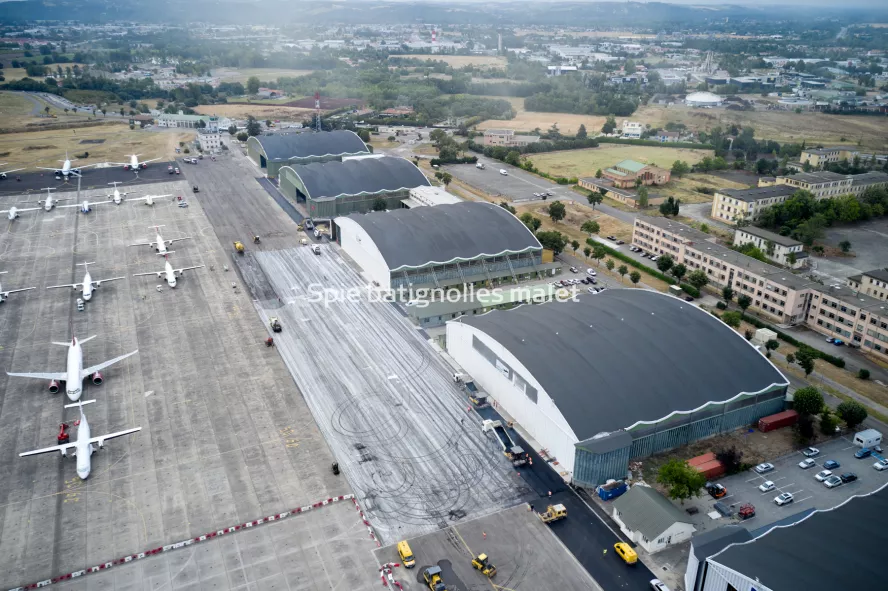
(622,374)
(451,244)
(275,150)
(333,188)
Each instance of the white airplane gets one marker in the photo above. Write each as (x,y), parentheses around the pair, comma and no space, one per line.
(168,274)
(159,244)
(117,196)
(6,172)
(66,168)
(13,212)
(83,446)
(88,284)
(49,202)
(134,163)
(149,199)
(75,374)
(86,206)
(4,295)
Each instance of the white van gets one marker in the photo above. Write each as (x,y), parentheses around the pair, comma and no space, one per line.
(479,165)
(504,172)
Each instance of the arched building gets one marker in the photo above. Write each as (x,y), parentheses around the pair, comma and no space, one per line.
(275,150)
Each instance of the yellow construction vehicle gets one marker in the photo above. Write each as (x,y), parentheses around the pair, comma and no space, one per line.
(238,247)
(432,577)
(553,513)
(482,563)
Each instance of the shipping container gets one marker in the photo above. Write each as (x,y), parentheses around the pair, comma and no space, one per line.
(781,419)
(611,490)
(711,470)
(701,459)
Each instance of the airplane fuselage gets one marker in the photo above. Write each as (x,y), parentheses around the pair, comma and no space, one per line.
(11,214)
(73,381)
(84,448)
(87,287)
(161,245)
(170,274)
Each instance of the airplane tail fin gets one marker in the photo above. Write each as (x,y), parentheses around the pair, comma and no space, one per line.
(87,339)
(79,403)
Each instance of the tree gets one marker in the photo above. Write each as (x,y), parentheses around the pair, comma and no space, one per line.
(557,211)
(805,358)
(242,136)
(678,271)
(553,240)
(122,112)
(634,277)
(504,204)
(682,481)
(104,112)
(670,207)
(622,271)
(379,204)
(665,262)
(587,251)
(575,245)
(744,301)
(594,198)
(598,253)
(252,85)
(807,401)
(852,412)
(845,245)
(642,197)
(598,174)
(253,128)
(46,109)
(581,132)
(727,294)
(513,158)
(863,374)
(680,168)
(732,319)
(610,264)
(590,227)
(446,178)
(828,422)
(698,278)
(790,358)
(232,129)
(771,345)
(364,134)
(610,124)
(731,458)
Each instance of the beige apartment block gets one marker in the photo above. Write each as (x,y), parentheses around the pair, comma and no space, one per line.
(787,251)
(872,283)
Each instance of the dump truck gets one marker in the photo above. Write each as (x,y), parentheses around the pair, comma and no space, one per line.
(275,324)
(515,453)
(238,247)
(553,513)
(482,563)
(432,577)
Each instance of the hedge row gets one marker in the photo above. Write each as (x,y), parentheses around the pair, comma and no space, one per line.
(466,160)
(616,140)
(837,361)
(627,259)
(690,290)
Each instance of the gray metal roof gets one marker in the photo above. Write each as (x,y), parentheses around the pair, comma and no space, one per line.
(623,356)
(759,193)
(281,147)
(880,274)
(707,543)
(357,176)
(824,176)
(645,510)
(810,556)
(769,235)
(873,177)
(410,238)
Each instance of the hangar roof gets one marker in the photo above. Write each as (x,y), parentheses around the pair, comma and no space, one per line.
(281,147)
(627,356)
(410,238)
(358,176)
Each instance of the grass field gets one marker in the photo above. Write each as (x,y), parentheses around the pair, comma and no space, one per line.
(683,188)
(259,111)
(264,74)
(529,120)
(459,61)
(14,105)
(13,74)
(580,163)
(43,148)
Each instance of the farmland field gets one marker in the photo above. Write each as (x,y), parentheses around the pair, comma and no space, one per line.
(459,61)
(260,111)
(580,163)
(264,74)
(13,74)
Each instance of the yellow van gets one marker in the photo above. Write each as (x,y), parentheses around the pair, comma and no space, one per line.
(626,552)
(406,554)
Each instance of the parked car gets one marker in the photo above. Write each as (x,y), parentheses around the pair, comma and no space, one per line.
(767,486)
(783,499)
(832,482)
(593,280)
(655,257)
(838,342)
(807,463)
(823,475)
(881,465)
(848,477)
(658,585)
(591,272)
(811,452)
(591,290)
(611,238)
(689,299)
(574,270)
(863,452)
(177,170)
(764,468)
(620,242)
(831,464)
(550,194)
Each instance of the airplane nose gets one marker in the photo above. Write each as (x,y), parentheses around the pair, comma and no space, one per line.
(83,474)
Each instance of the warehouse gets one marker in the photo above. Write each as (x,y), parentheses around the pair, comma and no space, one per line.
(470,243)
(334,188)
(618,375)
(275,150)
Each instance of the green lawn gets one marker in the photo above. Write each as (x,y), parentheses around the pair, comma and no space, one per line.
(580,163)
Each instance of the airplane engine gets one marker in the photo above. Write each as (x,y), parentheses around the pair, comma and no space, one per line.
(144,166)
(53,387)
(101,444)
(97,379)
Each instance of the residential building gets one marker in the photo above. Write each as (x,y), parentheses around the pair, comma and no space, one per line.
(820,184)
(624,174)
(209,140)
(668,136)
(862,182)
(507,138)
(650,520)
(731,205)
(269,93)
(820,157)
(632,130)
(780,249)
(872,283)
(561,70)
(626,196)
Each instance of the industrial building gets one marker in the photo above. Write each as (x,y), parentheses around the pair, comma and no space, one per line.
(469,243)
(617,375)
(354,184)
(273,151)
(703,99)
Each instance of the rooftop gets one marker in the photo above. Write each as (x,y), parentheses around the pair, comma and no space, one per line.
(358,176)
(280,147)
(630,165)
(847,295)
(609,362)
(758,193)
(824,176)
(799,556)
(880,274)
(770,236)
(645,510)
(869,178)
(412,238)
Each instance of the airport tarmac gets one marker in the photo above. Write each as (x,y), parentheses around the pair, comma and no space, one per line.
(35,181)
(226,436)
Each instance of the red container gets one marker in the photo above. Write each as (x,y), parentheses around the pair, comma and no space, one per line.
(781,419)
(701,459)
(711,470)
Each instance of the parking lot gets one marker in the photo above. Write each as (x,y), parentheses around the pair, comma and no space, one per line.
(788,477)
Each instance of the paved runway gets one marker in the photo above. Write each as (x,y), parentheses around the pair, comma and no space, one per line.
(93,178)
(226,436)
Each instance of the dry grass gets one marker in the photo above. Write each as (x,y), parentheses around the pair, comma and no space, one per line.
(13,74)
(43,148)
(683,188)
(259,111)
(459,61)
(580,163)
(530,120)
(264,74)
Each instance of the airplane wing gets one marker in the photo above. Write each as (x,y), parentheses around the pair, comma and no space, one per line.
(101,438)
(9,291)
(40,376)
(59,448)
(19,210)
(158,273)
(91,203)
(179,271)
(99,282)
(171,240)
(110,362)
(147,161)
(52,169)
(8,171)
(74,285)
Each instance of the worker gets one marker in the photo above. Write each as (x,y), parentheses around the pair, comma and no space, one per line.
(604,553)
(269,342)
(484,534)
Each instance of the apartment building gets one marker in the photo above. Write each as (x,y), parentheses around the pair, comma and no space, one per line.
(820,184)
(731,205)
(820,157)
(872,283)
(632,130)
(780,249)
(837,311)
(507,138)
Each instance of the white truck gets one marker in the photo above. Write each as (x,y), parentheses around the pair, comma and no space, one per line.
(504,172)
(869,438)
(479,166)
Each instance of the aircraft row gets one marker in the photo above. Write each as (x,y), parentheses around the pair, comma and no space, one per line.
(67,169)
(116,197)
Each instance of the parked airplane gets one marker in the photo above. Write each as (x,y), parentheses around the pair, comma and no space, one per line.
(13,212)
(159,244)
(134,163)
(86,205)
(5,294)
(66,168)
(6,172)
(83,446)
(87,285)
(149,200)
(168,274)
(75,374)
(49,202)
(117,196)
